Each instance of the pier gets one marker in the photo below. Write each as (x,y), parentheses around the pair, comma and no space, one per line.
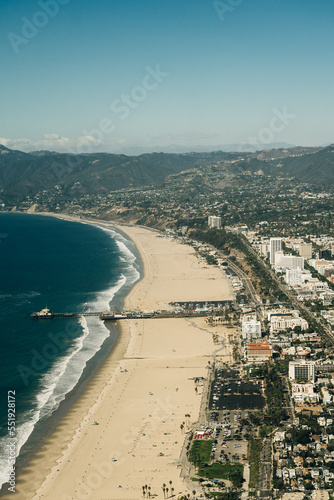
(115,316)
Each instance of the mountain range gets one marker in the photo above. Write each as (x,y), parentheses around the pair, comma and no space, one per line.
(23,174)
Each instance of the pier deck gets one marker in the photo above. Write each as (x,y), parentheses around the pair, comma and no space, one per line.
(120,316)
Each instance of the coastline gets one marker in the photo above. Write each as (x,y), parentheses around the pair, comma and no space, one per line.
(35,443)
(143,359)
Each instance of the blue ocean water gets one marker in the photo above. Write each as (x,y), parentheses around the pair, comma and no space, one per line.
(68,267)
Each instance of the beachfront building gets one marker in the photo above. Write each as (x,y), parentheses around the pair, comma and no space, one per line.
(259,352)
(281,323)
(302,370)
(275,246)
(214,222)
(251,328)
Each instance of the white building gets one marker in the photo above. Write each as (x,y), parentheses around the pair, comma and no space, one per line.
(303,392)
(214,221)
(327,297)
(283,262)
(326,397)
(281,323)
(293,277)
(302,370)
(251,329)
(318,286)
(281,312)
(328,316)
(264,249)
(275,246)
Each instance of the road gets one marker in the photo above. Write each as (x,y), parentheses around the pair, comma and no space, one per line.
(264,490)
(249,288)
(324,328)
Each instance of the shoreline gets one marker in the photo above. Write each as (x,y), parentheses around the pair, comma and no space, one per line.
(69,404)
(62,448)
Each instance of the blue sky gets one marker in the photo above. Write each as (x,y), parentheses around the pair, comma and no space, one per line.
(109,76)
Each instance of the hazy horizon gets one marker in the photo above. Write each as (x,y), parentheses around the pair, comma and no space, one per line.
(173,149)
(113,77)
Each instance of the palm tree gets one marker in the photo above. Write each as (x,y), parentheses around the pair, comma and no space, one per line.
(143,491)
(167,491)
(149,491)
(172,491)
(164,489)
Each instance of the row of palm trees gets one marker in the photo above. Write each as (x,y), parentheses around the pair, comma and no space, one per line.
(166,490)
(147,490)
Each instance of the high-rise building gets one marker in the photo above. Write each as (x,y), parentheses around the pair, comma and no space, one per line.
(284,262)
(305,250)
(275,246)
(293,276)
(325,253)
(214,221)
(301,370)
(264,249)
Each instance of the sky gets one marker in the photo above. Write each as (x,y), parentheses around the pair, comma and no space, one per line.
(118,76)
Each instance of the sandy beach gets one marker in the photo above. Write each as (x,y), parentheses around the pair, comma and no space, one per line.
(142,395)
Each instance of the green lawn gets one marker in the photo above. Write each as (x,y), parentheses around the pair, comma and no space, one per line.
(232,472)
(200,452)
(254,458)
(200,456)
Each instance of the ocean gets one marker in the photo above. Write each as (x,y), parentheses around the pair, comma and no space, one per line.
(68,267)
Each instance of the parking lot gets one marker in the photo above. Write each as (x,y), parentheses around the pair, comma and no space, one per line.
(229,441)
(232,400)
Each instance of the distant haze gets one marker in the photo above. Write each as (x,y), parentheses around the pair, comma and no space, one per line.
(128,77)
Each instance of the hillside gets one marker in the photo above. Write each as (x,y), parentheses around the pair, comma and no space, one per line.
(23,174)
(26,174)
(313,168)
